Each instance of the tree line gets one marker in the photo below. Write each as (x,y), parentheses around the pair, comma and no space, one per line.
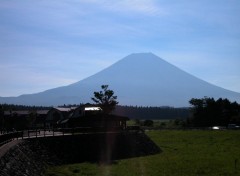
(140,112)
(210,112)
(204,112)
(14,107)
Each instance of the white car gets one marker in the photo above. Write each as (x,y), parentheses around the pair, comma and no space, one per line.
(215,128)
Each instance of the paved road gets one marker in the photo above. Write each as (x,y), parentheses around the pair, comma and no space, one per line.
(4,148)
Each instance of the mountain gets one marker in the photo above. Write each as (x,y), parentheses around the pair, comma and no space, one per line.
(141,79)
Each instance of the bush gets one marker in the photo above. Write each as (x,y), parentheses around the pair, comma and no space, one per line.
(148,123)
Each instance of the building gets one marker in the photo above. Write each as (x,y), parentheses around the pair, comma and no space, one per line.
(56,115)
(85,116)
(90,116)
(23,119)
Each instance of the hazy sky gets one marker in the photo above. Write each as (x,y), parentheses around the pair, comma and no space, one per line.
(51,43)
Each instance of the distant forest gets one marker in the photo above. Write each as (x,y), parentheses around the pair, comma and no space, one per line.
(133,112)
(13,107)
(139,112)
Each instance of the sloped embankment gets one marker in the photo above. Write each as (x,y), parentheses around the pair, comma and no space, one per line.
(32,156)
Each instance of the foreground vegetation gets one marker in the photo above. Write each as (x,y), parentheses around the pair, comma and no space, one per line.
(183,153)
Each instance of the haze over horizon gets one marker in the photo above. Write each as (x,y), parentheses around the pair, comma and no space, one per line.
(47,44)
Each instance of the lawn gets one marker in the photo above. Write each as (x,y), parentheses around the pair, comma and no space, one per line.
(183,153)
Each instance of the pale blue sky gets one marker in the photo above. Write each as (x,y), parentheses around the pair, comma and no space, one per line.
(51,43)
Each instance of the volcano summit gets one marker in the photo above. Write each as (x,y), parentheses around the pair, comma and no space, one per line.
(141,79)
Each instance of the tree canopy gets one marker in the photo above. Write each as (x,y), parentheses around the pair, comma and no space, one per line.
(106,99)
(210,112)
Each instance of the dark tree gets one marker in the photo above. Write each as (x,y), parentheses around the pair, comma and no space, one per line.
(105,99)
(148,123)
(208,112)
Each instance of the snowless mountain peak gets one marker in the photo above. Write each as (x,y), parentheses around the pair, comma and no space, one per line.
(142,79)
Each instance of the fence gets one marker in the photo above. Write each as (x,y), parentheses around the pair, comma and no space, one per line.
(7,137)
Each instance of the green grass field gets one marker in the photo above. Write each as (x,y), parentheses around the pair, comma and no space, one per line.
(183,153)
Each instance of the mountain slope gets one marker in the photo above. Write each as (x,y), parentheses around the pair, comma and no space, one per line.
(138,79)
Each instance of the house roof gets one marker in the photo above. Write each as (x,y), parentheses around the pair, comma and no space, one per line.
(116,117)
(105,117)
(65,109)
(96,118)
(42,112)
(25,112)
(16,112)
(92,108)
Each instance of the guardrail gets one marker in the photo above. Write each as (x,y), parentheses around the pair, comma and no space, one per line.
(5,138)
(35,133)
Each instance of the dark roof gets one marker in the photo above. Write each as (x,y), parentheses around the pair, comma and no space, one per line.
(104,117)
(25,112)
(42,112)
(16,112)
(117,117)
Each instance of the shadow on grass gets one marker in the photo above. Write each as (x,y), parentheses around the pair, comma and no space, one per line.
(104,148)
